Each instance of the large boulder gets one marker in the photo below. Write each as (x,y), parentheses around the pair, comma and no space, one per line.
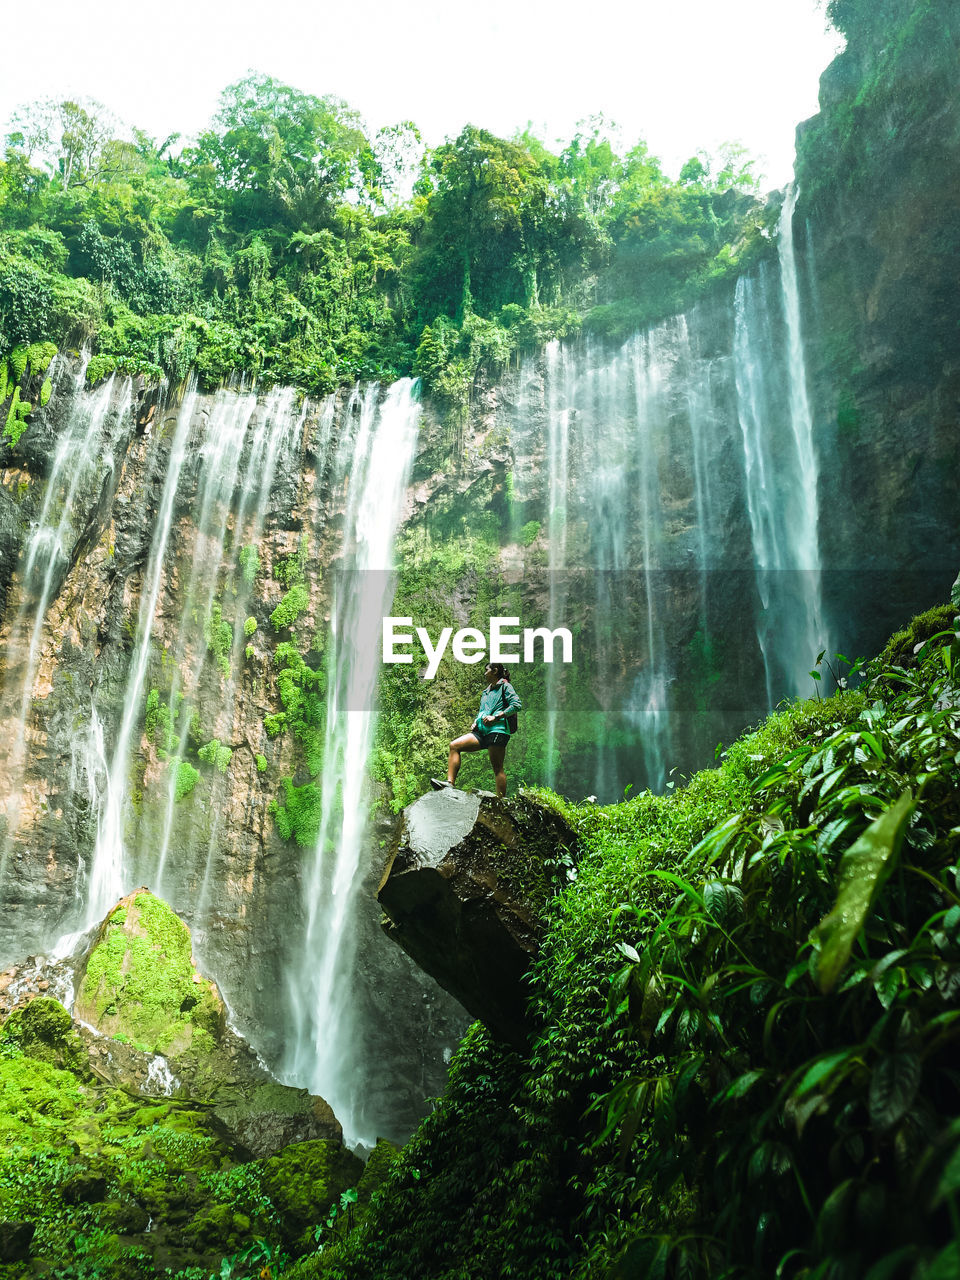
(139,981)
(155,1025)
(464,894)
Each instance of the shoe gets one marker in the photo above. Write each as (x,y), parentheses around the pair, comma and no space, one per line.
(440,784)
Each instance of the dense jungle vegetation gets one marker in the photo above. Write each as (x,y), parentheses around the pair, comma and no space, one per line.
(746,1022)
(286,243)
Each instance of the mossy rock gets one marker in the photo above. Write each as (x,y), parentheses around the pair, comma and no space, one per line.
(43,1030)
(379,1163)
(218,1226)
(306,1178)
(40,1103)
(266,1116)
(126,1218)
(899,649)
(141,982)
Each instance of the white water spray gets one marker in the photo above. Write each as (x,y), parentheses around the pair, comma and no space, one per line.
(376,455)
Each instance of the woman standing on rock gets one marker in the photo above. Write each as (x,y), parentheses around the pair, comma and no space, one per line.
(490,731)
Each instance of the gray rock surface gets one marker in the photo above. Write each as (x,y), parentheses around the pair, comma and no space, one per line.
(464,894)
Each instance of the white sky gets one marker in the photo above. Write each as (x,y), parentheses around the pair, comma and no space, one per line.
(682,74)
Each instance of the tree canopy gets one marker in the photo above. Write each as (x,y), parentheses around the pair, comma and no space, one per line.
(287,242)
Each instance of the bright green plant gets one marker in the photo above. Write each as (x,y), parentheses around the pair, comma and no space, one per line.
(249,559)
(219,637)
(216,753)
(291,607)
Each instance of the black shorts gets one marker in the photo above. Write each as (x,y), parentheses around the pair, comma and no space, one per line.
(496,739)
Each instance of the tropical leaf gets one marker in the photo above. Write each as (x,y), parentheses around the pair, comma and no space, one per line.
(893,1087)
(863,870)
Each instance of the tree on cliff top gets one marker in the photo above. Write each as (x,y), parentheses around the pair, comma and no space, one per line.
(277,157)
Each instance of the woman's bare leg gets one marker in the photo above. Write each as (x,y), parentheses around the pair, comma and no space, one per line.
(469,742)
(497,756)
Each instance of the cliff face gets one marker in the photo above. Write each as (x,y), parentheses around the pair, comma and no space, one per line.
(878,170)
(140,672)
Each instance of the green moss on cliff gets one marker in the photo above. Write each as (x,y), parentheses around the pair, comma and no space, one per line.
(217,754)
(219,637)
(291,607)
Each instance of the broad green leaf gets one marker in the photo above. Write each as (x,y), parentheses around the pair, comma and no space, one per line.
(949,1183)
(893,1087)
(863,870)
(742,1084)
(892,1265)
(822,1068)
(946,1265)
(715,841)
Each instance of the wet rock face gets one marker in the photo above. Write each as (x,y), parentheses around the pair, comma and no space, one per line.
(464,893)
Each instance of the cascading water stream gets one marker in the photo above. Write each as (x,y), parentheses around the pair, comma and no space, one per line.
(106,880)
(82,456)
(651,360)
(781,472)
(806,532)
(558,463)
(275,439)
(219,462)
(376,455)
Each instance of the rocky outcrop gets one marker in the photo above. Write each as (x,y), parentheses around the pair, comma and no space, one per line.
(464,894)
(146,1179)
(146,1021)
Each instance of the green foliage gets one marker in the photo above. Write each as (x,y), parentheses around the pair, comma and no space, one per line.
(16,422)
(290,571)
(530,532)
(261,764)
(249,626)
(100,367)
(216,753)
(118,1187)
(159,722)
(219,637)
(268,246)
(249,559)
(187,778)
(746,1014)
(294,603)
(298,815)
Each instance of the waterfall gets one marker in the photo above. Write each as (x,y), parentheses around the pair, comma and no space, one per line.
(106,880)
(651,356)
(82,458)
(375,458)
(558,462)
(806,542)
(238,462)
(781,472)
